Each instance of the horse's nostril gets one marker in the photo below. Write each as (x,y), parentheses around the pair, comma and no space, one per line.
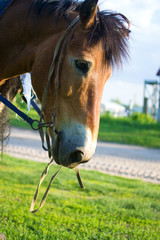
(76,156)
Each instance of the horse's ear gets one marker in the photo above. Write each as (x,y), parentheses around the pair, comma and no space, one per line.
(88,12)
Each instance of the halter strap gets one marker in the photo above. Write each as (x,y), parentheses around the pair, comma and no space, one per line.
(16,110)
(56,85)
(41,132)
(4,6)
(52,67)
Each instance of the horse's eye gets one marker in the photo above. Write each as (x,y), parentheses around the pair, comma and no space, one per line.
(82,66)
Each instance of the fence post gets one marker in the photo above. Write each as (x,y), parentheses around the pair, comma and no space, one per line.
(145,105)
(159,105)
(158,74)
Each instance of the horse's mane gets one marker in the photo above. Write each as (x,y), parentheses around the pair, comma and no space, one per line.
(110,27)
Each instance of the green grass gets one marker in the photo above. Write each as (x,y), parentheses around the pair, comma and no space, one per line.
(17,121)
(109,208)
(129,130)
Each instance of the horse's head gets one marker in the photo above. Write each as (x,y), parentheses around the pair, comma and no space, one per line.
(88,56)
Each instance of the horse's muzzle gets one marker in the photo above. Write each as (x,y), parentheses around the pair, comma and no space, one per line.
(70,160)
(70,150)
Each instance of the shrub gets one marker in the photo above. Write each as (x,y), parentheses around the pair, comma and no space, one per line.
(142,118)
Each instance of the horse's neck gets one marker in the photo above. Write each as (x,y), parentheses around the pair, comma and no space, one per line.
(20,37)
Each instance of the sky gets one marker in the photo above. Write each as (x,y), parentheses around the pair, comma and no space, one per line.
(127,83)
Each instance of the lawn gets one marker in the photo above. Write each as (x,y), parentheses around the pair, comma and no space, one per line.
(137,129)
(109,208)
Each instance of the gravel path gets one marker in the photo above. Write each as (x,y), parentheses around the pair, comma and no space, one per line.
(117,159)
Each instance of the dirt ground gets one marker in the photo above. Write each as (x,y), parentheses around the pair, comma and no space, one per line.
(117,159)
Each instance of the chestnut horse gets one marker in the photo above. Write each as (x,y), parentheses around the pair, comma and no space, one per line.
(29,33)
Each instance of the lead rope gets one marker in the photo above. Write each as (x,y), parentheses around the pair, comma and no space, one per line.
(41,132)
(44,174)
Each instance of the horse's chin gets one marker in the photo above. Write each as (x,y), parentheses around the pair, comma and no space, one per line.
(56,156)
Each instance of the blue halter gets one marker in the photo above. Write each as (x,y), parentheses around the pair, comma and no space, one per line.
(4,4)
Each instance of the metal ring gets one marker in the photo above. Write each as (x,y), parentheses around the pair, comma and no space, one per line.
(34,128)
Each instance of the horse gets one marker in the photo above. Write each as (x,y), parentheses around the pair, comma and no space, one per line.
(94,43)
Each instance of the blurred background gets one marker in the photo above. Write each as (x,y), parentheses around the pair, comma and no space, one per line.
(126,86)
